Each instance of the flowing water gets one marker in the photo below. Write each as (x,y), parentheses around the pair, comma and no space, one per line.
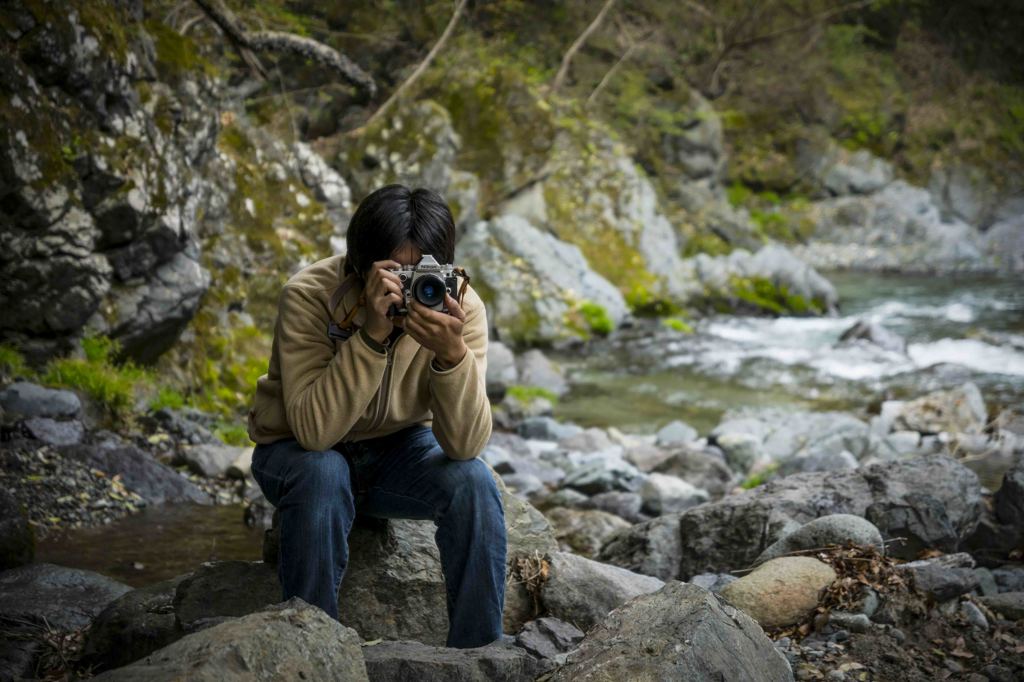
(958,329)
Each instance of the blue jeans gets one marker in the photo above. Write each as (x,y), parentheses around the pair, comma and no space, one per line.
(406,475)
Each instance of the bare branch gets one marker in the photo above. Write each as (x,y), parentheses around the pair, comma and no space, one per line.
(615,67)
(417,72)
(563,70)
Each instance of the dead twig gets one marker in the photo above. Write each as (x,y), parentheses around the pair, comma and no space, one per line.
(563,69)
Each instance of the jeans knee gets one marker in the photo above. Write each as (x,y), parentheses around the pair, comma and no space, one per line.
(322,477)
(472,478)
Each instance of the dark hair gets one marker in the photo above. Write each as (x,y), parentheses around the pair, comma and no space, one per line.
(392,215)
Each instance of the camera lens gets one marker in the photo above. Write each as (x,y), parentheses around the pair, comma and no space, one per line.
(428,290)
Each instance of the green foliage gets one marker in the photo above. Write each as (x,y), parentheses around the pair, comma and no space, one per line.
(12,363)
(678,324)
(761,477)
(111,385)
(706,242)
(526,394)
(232,432)
(167,397)
(596,317)
(176,55)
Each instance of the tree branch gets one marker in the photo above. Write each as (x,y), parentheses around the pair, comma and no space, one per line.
(563,70)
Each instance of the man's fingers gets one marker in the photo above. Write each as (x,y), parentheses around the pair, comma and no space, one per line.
(454,308)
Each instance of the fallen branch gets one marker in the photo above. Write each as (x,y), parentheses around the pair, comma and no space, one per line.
(563,70)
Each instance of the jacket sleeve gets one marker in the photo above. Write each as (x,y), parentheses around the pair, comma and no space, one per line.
(458,395)
(325,392)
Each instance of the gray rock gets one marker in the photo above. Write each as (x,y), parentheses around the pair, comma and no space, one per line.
(1009,604)
(665,494)
(547,637)
(874,333)
(839,171)
(292,640)
(133,626)
(583,531)
(680,632)
(701,469)
(602,474)
(63,598)
(535,369)
(581,591)
(1004,244)
(501,369)
(986,581)
(854,622)
(55,432)
(974,615)
(651,548)
(24,399)
(211,460)
(1009,578)
(546,428)
(17,537)
(222,589)
(1008,501)
(712,581)
(397,661)
(623,504)
(589,440)
(938,493)
(960,410)
(834,529)
(945,577)
(675,433)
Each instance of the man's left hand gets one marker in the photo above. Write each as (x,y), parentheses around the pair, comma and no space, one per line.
(437,331)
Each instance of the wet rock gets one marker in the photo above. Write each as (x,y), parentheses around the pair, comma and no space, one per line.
(211,460)
(664,494)
(651,548)
(582,592)
(680,632)
(24,399)
(17,538)
(292,640)
(63,598)
(945,577)
(222,589)
(960,410)
(874,333)
(826,530)
(675,433)
(157,483)
(584,531)
(780,591)
(547,637)
(1009,604)
(55,432)
(393,661)
(135,625)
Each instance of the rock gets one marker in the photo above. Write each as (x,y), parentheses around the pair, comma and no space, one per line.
(55,432)
(602,473)
(547,637)
(675,433)
(1009,578)
(945,577)
(186,424)
(712,581)
(212,460)
(1008,501)
(157,483)
(225,589)
(584,531)
(664,494)
(939,494)
(63,598)
(26,400)
(134,625)
(780,591)
(396,661)
(651,548)
(1009,604)
(17,537)
(546,428)
(986,581)
(646,456)
(680,632)
(700,469)
(834,529)
(854,622)
(587,441)
(1004,244)
(291,640)
(582,592)
(974,615)
(874,333)
(515,260)
(501,369)
(241,468)
(622,504)
(840,171)
(960,410)
(535,369)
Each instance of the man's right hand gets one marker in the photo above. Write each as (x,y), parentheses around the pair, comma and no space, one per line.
(381,290)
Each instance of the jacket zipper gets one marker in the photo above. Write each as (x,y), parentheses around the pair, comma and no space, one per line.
(385,387)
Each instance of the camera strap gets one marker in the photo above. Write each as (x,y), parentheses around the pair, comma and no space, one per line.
(465,282)
(346,328)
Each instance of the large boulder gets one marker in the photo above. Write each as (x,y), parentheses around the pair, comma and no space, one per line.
(780,591)
(224,589)
(834,529)
(582,591)
(652,548)
(680,632)
(583,531)
(63,598)
(932,501)
(404,660)
(23,399)
(960,410)
(291,640)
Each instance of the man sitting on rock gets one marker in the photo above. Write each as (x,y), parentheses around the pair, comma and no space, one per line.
(364,409)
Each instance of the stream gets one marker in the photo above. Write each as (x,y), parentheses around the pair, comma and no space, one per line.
(958,329)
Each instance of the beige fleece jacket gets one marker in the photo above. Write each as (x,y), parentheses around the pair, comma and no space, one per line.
(323,391)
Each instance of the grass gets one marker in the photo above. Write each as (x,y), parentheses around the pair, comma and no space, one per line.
(525,394)
(760,477)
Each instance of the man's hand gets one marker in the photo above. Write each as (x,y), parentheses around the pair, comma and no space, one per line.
(437,331)
(381,290)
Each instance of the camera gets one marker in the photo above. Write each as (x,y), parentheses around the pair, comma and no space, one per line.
(426,282)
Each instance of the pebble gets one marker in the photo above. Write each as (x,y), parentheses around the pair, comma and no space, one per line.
(898,635)
(840,636)
(974,615)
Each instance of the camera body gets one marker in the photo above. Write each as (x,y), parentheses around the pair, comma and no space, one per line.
(426,282)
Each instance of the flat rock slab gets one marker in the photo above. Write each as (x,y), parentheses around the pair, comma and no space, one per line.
(680,632)
(288,641)
(67,598)
(399,661)
(156,482)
